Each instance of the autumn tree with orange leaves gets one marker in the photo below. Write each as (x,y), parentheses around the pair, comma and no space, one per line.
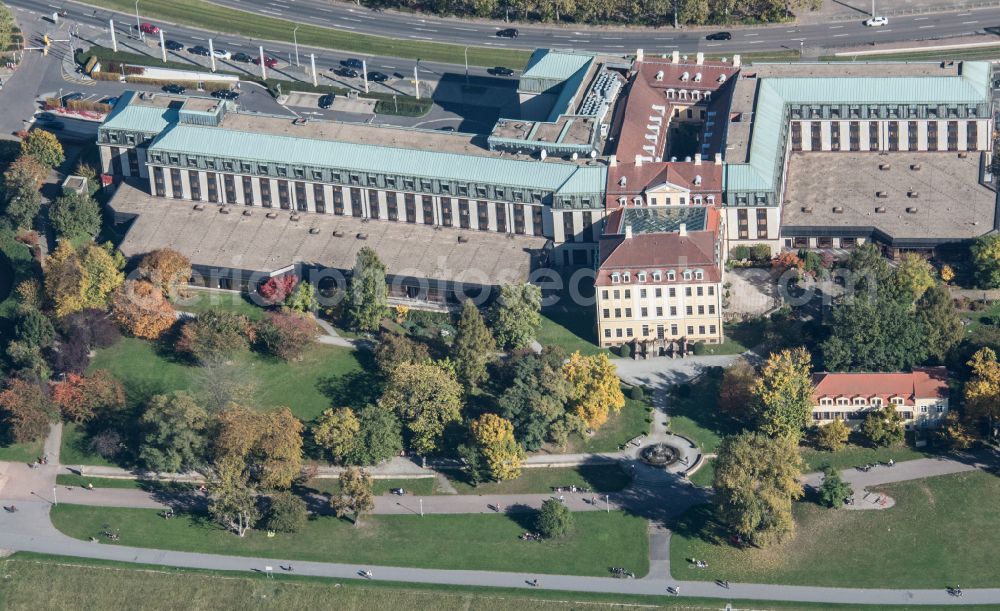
(80,397)
(142,310)
(596,389)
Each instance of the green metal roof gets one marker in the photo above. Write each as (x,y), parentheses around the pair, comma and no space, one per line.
(555,65)
(774,93)
(135,117)
(556,177)
(665,219)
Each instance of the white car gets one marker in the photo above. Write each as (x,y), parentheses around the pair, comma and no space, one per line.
(221,54)
(877,22)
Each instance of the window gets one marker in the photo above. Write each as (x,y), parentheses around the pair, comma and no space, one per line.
(463,213)
(644,312)
(283,199)
(923,409)
(932,135)
(641,277)
(939,408)
(701,310)
(642,293)
(618,312)
(689,310)
(427,205)
(161,189)
(618,294)
(711,289)
(519,219)
(659,312)
(876,401)
(229,183)
(825,401)
(484,216)
(628,292)
(446,217)
(701,329)
(896,400)
(194,180)
(568,230)
(410,205)
(687,289)
(841,401)
(658,292)
(628,312)
(607,333)
(133,160)
(338,201)
(971,137)
(711,329)
(604,294)
(373,207)
(319,197)
(671,276)
(301,203)
(616,279)
(700,290)
(859,401)
(213,187)
(628,332)
(672,291)
(175,183)
(711,309)
(247,190)
(265,192)
(606,313)
(392,205)
(657,276)
(536,220)
(673,310)
(116,161)
(357,206)
(761,222)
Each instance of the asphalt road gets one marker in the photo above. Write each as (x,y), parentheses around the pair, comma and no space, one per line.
(342,15)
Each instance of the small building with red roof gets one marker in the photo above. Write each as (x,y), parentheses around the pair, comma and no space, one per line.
(920,396)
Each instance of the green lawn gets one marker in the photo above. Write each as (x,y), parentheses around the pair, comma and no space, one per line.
(213,17)
(474,542)
(941,532)
(703,476)
(22,452)
(739,337)
(419,486)
(145,371)
(75,449)
(941,54)
(853,455)
(35,581)
(200,300)
(694,412)
(599,478)
(619,429)
(81,481)
(572,331)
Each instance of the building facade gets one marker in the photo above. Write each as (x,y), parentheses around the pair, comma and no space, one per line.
(920,397)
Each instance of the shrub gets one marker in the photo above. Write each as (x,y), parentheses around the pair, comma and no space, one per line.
(636,394)
(286,513)
(285,335)
(276,289)
(624,351)
(760,252)
(554,520)
(107,444)
(740,253)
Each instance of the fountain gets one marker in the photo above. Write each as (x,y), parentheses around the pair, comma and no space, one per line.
(659,455)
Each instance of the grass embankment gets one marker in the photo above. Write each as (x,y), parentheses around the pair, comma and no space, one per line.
(81,481)
(572,331)
(417,486)
(215,18)
(940,532)
(475,542)
(54,582)
(987,53)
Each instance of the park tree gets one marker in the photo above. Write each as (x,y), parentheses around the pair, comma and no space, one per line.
(501,452)
(982,390)
(783,394)
(215,336)
(234,500)
(474,347)
(87,277)
(595,389)
(787,260)
(736,398)
(82,397)
(940,322)
(166,269)
(265,446)
(516,315)
(174,433)
(535,400)
(427,398)
(25,411)
(914,275)
(986,259)
(276,289)
(394,349)
(956,432)
(880,334)
(142,310)
(379,437)
(694,12)
(33,327)
(336,431)
(756,480)
(286,513)
(94,326)
(355,496)
(75,215)
(302,299)
(884,426)
(367,293)
(834,491)
(554,519)
(21,197)
(868,268)
(833,436)
(286,335)
(44,147)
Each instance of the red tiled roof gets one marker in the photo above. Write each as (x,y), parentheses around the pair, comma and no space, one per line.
(922,383)
(651,174)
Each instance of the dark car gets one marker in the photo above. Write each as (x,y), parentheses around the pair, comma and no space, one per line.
(398,491)
(352,63)
(326,101)
(199,50)
(110,101)
(174,88)
(269,61)
(507,33)
(719,36)
(242,57)
(226,94)
(501,71)
(346,72)
(69,97)
(378,77)
(173,45)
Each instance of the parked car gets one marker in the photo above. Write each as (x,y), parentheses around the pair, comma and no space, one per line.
(719,36)
(148,28)
(398,491)
(378,77)
(222,54)
(173,45)
(269,61)
(347,72)
(501,71)
(352,63)
(507,33)
(110,101)
(326,101)
(877,22)
(226,94)
(198,50)
(242,57)
(69,97)
(174,88)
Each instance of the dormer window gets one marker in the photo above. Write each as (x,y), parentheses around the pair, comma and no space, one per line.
(859,401)
(638,200)
(641,276)
(687,274)
(699,275)
(671,276)
(697,77)
(659,75)
(657,276)
(685,76)
(626,277)
(841,401)
(697,179)
(826,401)
(876,401)
(616,278)
(896,400)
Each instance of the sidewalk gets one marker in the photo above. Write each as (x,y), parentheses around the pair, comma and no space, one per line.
(859,10)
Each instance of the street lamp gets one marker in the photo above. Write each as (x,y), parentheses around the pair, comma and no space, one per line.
(137,25)
(466,65)
(296,40)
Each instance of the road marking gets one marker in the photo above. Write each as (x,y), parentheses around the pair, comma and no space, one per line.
(425,29)
(664,38)
(882,31)
(346,27)
(789,31)
(611,37)
(467,29)
(616,46)
(836,27)
(924,27)
(969,22)
(558,36)
(757,42)
(752,34)
(714,44)
(840,35)
(264,10)
(351,19)
(578,40)
(325,10)
(963,14)
(798,39)
(921,18)
(197,38)
(388,67)
(420,37)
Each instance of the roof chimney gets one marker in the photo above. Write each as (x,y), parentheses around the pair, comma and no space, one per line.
(682,230)
(613,161)
(675,57)
(736,60)
(718,159)
(638,161)
(697,158)
(638,55)
(699,58)
(628,232)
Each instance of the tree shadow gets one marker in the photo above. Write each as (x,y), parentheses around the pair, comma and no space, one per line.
(355,389)
(699,522)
